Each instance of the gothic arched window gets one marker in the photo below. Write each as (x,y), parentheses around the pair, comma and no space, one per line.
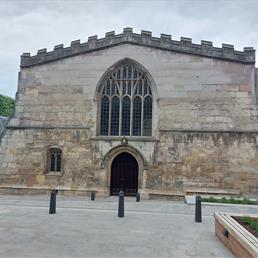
(54,160)
(126,103)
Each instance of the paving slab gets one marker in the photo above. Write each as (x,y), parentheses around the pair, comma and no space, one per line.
(84,228)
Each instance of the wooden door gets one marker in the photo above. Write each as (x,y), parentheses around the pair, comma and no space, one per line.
(124,175)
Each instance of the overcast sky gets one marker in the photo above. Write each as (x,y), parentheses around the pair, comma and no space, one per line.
(26,26)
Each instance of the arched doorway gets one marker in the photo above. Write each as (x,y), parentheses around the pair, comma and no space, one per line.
(124,175)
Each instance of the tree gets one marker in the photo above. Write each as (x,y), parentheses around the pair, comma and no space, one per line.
(7,105)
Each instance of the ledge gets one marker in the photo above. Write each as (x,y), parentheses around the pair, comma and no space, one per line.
(128,138)
(165,195)
(164,42)
(205,131)
(53,174)
(43,189)
(209,191)
(45,127)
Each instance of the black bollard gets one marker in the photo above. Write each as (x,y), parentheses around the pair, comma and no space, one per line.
(52,206)
(92,196)
(121,205)
(198,209)
(138,197)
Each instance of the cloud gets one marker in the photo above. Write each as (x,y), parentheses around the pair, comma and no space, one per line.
(27,26)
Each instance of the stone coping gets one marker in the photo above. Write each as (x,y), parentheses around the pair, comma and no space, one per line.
(129,138)
(206,191)
(206,131)
(190,200)
(243,236)
(39,187)
(18,127)
(158,192)
(164,42)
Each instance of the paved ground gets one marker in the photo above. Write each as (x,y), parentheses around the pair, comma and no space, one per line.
(83,228)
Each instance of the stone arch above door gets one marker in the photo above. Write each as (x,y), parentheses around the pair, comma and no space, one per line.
(110,156)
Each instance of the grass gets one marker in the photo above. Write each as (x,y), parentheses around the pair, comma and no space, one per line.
(230,200)
(250,222)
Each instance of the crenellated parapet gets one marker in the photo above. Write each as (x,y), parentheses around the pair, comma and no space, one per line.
(164,42)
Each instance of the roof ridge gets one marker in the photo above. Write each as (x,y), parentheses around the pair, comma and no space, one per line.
(165,42)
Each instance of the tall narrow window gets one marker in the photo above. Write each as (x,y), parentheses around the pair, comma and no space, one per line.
(126,107)
(104,119)
(126,102)
(54,160)
(137,115)
(115,116)
(147,116)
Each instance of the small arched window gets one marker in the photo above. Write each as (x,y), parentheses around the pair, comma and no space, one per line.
(126,103)
(54,160)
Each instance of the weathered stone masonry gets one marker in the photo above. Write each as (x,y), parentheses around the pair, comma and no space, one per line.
(204,136)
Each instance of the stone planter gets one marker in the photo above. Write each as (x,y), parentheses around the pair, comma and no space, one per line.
(234,236)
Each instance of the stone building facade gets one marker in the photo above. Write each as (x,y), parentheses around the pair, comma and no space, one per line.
(134,112)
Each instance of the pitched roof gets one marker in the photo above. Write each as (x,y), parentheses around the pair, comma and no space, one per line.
(164,42)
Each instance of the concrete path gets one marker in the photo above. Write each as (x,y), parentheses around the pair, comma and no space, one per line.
(84,228)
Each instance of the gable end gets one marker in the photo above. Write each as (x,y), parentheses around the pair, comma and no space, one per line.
(165,42)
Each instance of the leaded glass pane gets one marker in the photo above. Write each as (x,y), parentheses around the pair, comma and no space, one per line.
(149,90)
(137,114)
(124,88)
(115,116)
(104,119)
(53,158)
(129,88)
(145,87)
(129,72)
(147,116)
(124,72)
(126,107)
(140,88)
(136,90)
(113,91)
(58,162)
(108,88)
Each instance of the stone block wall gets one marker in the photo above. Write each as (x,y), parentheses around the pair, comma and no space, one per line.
(194,161)
(256,84)
(180,162)
(190,92)
(204,124)
(23,158)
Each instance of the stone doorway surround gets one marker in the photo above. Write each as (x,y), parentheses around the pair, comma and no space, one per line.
(142,165)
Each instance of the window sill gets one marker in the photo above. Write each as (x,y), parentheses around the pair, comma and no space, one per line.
(128,138)
(54,174)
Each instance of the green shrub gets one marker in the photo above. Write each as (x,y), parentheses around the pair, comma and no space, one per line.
(231,200)
(249,221)
(7,105)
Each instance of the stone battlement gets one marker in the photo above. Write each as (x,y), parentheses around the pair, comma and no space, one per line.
(165,42)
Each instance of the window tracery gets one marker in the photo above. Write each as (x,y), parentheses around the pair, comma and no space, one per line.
(126,103)
(54,160)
